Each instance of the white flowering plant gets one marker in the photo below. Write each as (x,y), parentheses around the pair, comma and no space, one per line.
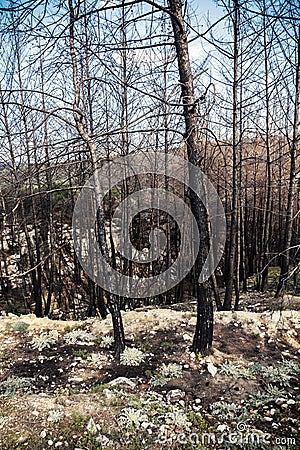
(106,341)
(132,357)
(78,337)
(165,372)
(44,340)
(178,418)
(131,417)
(172,370)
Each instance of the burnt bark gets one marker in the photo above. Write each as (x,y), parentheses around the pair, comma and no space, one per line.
(203,336)
(112,299)
(286,254)
(233,238)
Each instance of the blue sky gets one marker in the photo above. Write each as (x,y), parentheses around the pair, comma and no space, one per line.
(207,12)
(209,7)
(204,6)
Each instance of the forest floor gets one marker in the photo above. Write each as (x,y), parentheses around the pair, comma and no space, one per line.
(61,388)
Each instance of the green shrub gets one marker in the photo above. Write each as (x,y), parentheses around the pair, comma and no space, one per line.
(20,327)
(12,385)
(82,353)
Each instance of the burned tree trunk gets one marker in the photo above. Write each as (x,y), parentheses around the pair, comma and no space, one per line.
(286,255)
(204,328)
(233,257)
(112,299)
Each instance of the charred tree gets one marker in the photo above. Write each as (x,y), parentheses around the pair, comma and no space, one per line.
(203,336)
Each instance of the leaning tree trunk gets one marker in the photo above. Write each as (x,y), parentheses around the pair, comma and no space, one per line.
(204,328)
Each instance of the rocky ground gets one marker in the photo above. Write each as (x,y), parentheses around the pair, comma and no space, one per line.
(61,388)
